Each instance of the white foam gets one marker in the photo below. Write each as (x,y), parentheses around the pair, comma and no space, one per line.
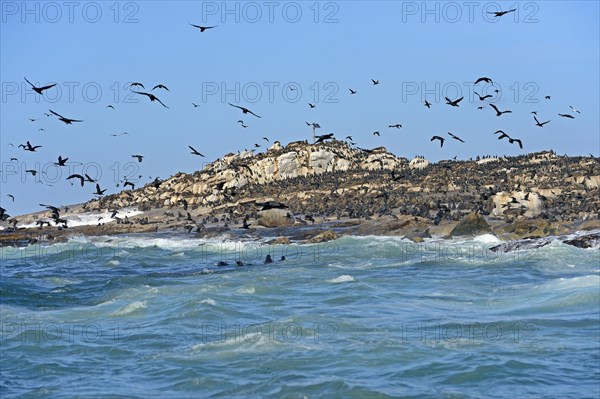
(130,308)
(247,290)
(88,218)
(344,278)
(209,301)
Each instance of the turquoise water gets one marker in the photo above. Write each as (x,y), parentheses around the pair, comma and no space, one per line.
(359,317)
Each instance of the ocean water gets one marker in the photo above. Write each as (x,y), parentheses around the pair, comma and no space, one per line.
(358,317)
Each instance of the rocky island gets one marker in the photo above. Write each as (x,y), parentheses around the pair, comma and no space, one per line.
(331,188)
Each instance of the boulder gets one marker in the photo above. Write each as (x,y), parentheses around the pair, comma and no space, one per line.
(470,225)
(323,237)
(275,218)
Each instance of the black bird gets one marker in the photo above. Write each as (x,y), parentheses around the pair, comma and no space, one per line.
(482,98)
(110,106)
(195,105)
(324,137)
(537,123)
(32,171)
(547,97)
(567,116)
(128,183)
(453,103)
(161,86)
(396,177)
(441,139)
(483,79)
(266,139)
(375,82)
(397,126)
(510,139)
(427,104)
(376,134)
(479,107)
(455,137)
(352,91)
(3,214)
(499,131)
(139,157)
(194,152)
(151,96)
(137,84)
(501,13)
(203,28)
(534,112)
(98,191)
(67,121)
(39,90)
(256,145)
(311,105)
(76,176)
(29,147)
(244,110)
(498,112)
(61,161)
(349,138)
(11,197)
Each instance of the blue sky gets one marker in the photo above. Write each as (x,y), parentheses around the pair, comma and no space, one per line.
(93,50)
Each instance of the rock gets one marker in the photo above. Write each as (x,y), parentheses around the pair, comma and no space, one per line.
(323,237)
(586,241)
(593,224)
(279,241)
(275,218)
(472,224)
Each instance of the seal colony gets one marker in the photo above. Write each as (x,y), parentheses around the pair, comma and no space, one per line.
(332,187)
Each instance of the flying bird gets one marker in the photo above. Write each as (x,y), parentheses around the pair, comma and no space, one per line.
(137,84)
(39,90)
(547,97)
(455,137)
(161,86)
(98,190)
(567,116)
(574,110)
(441,139)
(11,197)
(427,104)
(484,79)
(311,105)
(29,147)
(244,110)
(61,161)
(76,176)
(375,82)
(128,183)
(376,134)
(482,98)
(537,123)
(498,112)
(194,152)
(510,139)
(324,137)
(453,103)
(151,96)
(139,157)
(195,105)
(397,126)
(67,121)
(352,91)
(501,13)
(203,28)
(266,139)
(110,106)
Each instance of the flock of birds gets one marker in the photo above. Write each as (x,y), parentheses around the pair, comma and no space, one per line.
(139,89)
